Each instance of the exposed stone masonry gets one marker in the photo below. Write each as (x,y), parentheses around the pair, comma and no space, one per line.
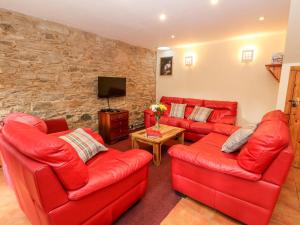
(51,70)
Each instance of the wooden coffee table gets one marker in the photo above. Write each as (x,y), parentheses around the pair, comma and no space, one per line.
(168,132)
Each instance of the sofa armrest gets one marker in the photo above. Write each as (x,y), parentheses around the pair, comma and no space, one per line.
(56,125)
(209,161)
(228,120)
(224,129)
(109,172)
(148,112)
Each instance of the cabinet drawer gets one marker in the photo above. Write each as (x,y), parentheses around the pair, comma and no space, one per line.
(119,124)
(120,116)
(115,133)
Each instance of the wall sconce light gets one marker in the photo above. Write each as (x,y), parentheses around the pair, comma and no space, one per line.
(247,55)
(188,60)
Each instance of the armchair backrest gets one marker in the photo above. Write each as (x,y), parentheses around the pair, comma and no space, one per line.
(36,186)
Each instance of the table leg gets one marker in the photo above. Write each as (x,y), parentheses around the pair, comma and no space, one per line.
(181,138)
(134,143)
(156,154)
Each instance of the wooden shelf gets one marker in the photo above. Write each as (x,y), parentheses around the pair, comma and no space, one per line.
(275,70)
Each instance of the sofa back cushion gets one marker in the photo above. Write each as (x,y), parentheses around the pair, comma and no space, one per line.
(31,120)
(220,109)
(264,145)
(167,102)
(190,105)
(50,150)
(275,115)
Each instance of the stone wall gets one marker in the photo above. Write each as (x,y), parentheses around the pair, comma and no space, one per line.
(51,70)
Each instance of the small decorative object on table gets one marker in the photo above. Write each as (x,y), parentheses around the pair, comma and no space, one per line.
(150,132)
(158,110)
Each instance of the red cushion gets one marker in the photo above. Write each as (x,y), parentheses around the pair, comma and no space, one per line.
(164,120)
(217,115)
(27,119)
(222,105)
(201,128)
(112,170)
(275,115)
(50,150)
(263,146)
(178,122)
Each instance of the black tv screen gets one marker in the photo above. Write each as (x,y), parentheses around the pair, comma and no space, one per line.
(111,87)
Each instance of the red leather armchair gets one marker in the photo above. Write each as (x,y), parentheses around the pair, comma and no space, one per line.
(244,185)
(114,180)
(224,112)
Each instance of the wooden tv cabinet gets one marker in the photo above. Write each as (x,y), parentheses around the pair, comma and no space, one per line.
(113,126)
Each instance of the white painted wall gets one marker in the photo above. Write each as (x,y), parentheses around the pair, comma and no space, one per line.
(219,74)
(292,51)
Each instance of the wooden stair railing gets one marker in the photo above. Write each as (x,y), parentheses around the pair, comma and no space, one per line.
(275,70)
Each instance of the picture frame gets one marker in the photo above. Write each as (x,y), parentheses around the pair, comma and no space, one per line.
(166,66)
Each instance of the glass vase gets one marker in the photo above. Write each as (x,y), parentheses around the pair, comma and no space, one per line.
(157,125)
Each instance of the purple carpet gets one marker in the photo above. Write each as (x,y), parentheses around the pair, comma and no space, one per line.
(160,198)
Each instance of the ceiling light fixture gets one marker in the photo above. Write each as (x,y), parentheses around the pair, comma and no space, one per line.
(162,17)
(163,48)
(172,36)
(214,2)
(261,18)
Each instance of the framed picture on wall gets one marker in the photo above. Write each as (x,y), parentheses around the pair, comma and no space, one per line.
(166,66)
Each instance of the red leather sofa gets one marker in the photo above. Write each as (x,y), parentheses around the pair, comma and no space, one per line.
(244,185)
(224,112)
(58,189)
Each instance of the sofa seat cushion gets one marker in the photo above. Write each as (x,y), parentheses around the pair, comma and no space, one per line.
(178,122)
(163,120)
(264,145)
(111,170)
(214,139)
(210,157)
(201,127)
(103,156)
(30,120)
(58,154)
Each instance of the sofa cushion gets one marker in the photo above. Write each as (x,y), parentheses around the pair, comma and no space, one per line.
(221,109)
(164,119)
(83,143)
(275,115)
(238,139)
(201,127)
(50,150)
(31,120)
(167,102)
(210,157)
(112,170)
(190,105)
(177,122)
(177,110)
(214,139)
(264,145)
(200,114)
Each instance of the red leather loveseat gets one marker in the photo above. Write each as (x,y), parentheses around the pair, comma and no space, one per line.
(244,185)
(224,112)
(58,188)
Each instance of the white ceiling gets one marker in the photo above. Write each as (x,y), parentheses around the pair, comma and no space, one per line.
(136,21)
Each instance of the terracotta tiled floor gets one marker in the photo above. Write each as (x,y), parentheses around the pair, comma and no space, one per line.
(187,211)
(286,212)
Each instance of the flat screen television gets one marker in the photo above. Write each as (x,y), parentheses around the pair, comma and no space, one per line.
(111,87)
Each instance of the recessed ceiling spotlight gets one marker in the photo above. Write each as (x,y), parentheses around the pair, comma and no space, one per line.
(214,2)
(163,48)
(162,17)
(261,18)
(172,36)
